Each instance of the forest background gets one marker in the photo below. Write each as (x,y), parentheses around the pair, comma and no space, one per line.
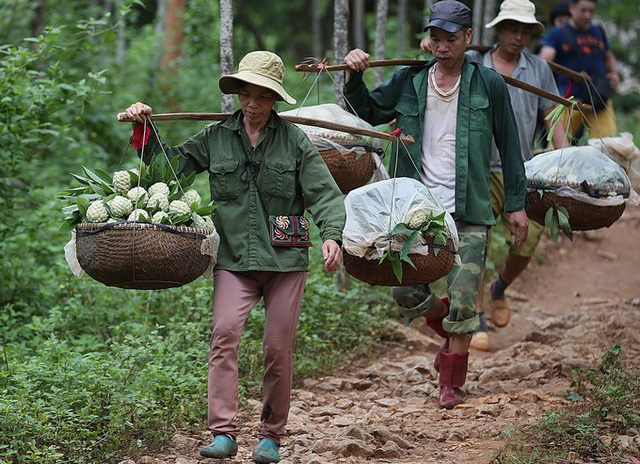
(89,373)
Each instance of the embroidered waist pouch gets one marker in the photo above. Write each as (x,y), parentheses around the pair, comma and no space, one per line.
(289,231)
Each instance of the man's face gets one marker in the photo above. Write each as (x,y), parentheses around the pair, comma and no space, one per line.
(514,36)
(582,13)
(447,47)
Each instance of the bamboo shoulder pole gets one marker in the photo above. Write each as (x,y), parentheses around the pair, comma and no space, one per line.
(510,80)
(558,68)
(406,139)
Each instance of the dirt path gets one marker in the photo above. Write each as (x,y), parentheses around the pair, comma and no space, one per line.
(567,312)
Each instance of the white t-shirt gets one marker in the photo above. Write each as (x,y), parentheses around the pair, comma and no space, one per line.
(438,171)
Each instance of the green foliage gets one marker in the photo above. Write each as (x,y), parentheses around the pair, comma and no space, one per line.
(32,102)
(557,219)
(433,225)
(605,403)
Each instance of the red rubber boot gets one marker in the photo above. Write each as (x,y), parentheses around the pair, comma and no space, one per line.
(453,373)
(436,325)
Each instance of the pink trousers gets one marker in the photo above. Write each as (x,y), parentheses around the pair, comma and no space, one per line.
(236,293)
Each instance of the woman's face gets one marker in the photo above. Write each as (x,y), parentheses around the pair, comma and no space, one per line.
(256,103)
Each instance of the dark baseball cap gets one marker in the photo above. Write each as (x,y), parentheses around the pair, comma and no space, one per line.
(450,16)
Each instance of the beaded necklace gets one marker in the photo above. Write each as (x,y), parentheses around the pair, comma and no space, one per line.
(432,74)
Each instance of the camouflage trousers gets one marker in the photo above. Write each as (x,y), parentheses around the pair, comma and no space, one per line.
(463,283)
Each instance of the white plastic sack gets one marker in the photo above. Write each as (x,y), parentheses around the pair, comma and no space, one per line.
(327,138)
(375,209)
(566,170)
(623,151)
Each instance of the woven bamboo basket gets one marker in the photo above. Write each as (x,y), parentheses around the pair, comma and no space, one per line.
(429,268)
(141,256)
(349,170)
(582,216)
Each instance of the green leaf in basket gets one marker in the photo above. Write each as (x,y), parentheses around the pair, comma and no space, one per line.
(174,193)
(180,219)
(83,205)
(186,181)
(81,179)
(396,265)
(563,221)
(141,200)
(106,178)
(97,189)
(69,224)
(551,223)
(408,243)
(541,193)
(206,210)
(407,260)
(95,178)
(401,228)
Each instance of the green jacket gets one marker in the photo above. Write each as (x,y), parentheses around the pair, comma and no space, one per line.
(292,178)
(484,110)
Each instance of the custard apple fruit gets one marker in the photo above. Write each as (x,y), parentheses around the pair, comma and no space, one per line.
(136,193)
(203,222)
(159,187)
(159,216)
(418,219)
(190,197)
(120,206)
(122,181)
(179,207)
(97,212)
(158,200)
(138,215)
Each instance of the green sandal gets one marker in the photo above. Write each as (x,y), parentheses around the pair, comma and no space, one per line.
(222,446)
(265,452)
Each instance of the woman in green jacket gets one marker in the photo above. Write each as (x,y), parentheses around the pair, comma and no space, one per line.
(261,169)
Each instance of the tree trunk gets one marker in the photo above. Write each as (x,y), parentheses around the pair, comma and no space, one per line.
(316,38)
(402,27)
(477,22)
(226,48)
(426,12)
(340,43)
(489,13)
(38,21)
(358,24)
(121,41)
(382,12)
(161,13)
(173,49)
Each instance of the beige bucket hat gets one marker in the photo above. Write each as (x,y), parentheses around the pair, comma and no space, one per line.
(522,11)
(259,68)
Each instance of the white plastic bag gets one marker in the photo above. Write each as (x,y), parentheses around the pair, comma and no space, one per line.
(623,151)
(327,138)
(583,173)
(374,210)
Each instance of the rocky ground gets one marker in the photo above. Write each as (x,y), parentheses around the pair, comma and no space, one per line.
(569,308)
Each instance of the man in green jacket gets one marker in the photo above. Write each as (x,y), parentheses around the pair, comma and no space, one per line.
(453,107)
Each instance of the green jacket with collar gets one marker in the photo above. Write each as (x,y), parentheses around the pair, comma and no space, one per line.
(484,111)
(291,175)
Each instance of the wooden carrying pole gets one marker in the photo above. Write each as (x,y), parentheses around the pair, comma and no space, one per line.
(508,79)
(555,67)
(406,139)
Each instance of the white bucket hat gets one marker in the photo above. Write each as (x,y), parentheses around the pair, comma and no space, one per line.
(522,11)
(261,68)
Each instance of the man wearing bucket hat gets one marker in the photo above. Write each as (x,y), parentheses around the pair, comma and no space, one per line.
(453,107)
(516,23)
(263,172)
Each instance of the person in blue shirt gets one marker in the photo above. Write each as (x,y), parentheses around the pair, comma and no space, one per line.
(581,45)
